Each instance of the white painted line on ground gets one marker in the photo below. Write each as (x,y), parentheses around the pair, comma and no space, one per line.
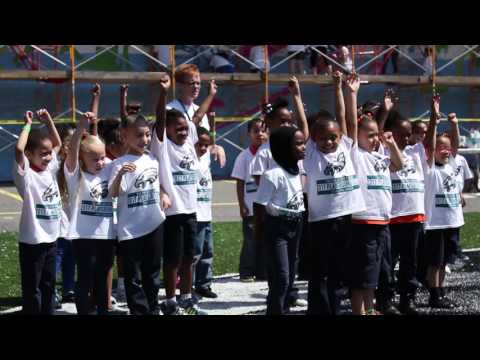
(11,195)
(225,204)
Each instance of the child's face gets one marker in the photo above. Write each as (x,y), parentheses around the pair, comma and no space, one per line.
(282,117)
(402,133)
(202,145)
(177,131)
(443,150)
(299,145)
(368,136)
(42,155)
(93,161)
(418,135)
(257,134)
(137,137)
(191,86)
(327,138)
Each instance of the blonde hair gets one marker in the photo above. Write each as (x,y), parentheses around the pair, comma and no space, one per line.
(89,142)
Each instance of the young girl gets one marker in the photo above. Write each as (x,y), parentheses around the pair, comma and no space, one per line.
(444,214)
(176,154)
(333,195)
(87,172)
(35,170)
(141,200)
(281,196)
(246,192)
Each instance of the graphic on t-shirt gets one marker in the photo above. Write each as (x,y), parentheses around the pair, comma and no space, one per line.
(99,191)
(449,183)
(378,182)
(381,165)
(336,166)
(97,207)
(187,163)
(204,182)
(408,168)
(448,200)
(148,176)
(50,193)
(457,170)
(295,202)
(337,185)
(204,191)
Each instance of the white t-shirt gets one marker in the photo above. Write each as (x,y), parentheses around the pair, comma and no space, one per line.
(188,112)
(443,207)
(139,212)
(91,203)
(178,173)
(242,170)
(204,189)
(264,160)
(281,193)
(374,178)
(332,184)
(462,171)
(295,48)
(42,204)
(257,56)
(408,185)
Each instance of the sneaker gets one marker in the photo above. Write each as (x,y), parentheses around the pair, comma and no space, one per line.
(388,309)
(120,295)
(118,310)
(69,297)
(373,312)
(170,309)
(113,300)
(299,303)
(190,308)
(407,307)
(247,279)
(206,292)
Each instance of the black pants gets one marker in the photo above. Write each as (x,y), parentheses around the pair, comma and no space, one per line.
(328,250)
(37,268)
(260,247)
(281,242)
(303,249)
(142,259)
(94,260)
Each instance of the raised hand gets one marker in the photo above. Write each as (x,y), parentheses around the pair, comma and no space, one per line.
(436,107)
(28,117)
(96,90)
(452,118)
(165,83)
(293,86)
(389,100)
(212,88)
(43,116)
(124,89)
(387,138)
(87,119)
(337,77)
(352,83)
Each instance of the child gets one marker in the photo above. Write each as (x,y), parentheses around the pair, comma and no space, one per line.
(370,226)
(333,195)
(444,214)
(141,200)
(280,196)
(35,171)
(65,261)
(419,130)
(176,154)
(87,172)
(203,273)
(246,192)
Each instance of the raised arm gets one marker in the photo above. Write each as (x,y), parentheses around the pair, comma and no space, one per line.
(352,85)
(430,141)
(455,132)
(339,101)
(203,108)
(161,112)
(294,87)
(96,92)
(22,140)
(123,101)
(396,157)
(387,106)
(73,150)
(44,117)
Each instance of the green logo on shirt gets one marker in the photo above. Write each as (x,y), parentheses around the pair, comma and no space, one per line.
(143,198)
(378,182)
(97,208)
(337,185)
(407,186)
(447,200)
(48,212)
(182,178)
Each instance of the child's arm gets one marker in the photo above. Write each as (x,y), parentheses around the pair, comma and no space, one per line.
(202,110)
(396,157)
(22,140)
(352,87)
(123,101)
(115,187)
(45,118)
(165,201)
(161,114)
(72,155)
(294,87)
(339,101)
(211,123)
(455,133)
(386,108)
(217,151)
(430,141)
(96,91)
(241,198)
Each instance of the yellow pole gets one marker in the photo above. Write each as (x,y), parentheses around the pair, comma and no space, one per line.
(72,64)
(173,66)
(267,69)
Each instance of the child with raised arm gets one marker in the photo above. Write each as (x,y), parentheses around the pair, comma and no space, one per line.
(34,172)
(175,151)
(141,200)
(246,192)
(87,172)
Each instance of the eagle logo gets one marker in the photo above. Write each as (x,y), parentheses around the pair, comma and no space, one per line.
(148,176)
(99,191)
(336,166)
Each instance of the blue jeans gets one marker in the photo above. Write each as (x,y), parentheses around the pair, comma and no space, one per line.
(203,273)
(65,262)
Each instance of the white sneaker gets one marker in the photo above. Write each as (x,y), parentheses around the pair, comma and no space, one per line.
(447,269)
(118,310)
(113,300)
(300,303)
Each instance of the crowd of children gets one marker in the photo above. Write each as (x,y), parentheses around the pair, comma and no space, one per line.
(338,200)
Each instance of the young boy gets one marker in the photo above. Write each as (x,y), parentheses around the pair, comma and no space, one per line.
(246,192)
(35,178)
(175,151)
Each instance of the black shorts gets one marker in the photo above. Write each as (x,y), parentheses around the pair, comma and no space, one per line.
(299,56)
(365,255)
(441,246)
(179,239)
